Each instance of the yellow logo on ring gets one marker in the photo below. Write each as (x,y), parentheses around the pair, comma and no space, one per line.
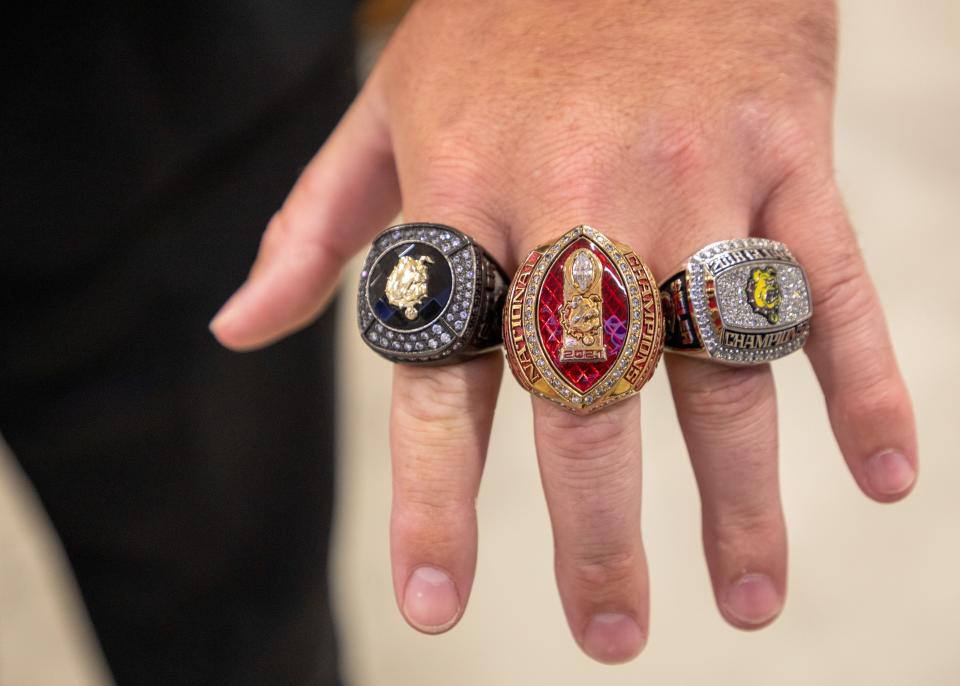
(763,293)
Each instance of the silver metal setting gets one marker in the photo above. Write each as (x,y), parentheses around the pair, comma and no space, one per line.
(467,324)
(744,301)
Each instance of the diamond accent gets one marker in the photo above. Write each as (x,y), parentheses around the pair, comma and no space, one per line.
(615,329)
(582,271)
(733,306)
(736,311)
(436,338)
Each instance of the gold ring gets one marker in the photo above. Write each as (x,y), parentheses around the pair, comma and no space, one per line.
(582,323)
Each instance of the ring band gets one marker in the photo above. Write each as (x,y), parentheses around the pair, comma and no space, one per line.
(429,294)
(740,302)
(582,323)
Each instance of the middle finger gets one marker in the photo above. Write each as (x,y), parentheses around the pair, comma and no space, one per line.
(590,467)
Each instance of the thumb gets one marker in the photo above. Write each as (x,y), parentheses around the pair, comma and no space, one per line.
(347,192)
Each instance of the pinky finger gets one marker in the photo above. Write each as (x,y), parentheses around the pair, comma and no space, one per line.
(849,345)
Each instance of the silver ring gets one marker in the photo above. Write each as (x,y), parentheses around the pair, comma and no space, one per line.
(741,302)
(430,294)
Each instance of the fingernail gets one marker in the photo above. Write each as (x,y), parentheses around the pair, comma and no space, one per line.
(753,599)
(430,600)
(889,473)
(612,638)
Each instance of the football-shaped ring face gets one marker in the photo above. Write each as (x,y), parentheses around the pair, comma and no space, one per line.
(744,301)
(429,294)
(582,322)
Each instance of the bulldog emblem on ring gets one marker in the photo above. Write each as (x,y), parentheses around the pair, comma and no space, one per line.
(763,293)
(407,284)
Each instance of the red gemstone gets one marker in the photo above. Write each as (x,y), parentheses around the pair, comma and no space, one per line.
(616,312)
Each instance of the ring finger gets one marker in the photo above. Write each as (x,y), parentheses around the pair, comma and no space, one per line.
(590,467)
(728,416)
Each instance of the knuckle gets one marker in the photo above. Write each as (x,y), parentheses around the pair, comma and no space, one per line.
(456,163)
(455,174)
(791,139)
(314,259)
(446,409)
(583,151)
(422,524)
(572,168)
(613,569)
(673,149)
(591,432)
(303,246)
(725,396)
(433,401)
(746,527)
(589,447)
(422,504)
(875,400)
(681,147)
(784,138)
(444,150)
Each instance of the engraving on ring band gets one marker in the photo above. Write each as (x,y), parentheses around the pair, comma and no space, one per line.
(407,284)
(581,316)
(651,317)
(522,352)
(734,257)
(744,340)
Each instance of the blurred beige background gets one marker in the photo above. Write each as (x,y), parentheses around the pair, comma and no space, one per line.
(874,590)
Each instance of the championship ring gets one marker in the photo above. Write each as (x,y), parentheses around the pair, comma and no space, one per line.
(745,301)
(429,294)
(582,324)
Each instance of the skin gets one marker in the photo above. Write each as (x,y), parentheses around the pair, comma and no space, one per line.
(667,125)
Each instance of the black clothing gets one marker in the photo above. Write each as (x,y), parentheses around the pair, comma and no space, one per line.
(144,148)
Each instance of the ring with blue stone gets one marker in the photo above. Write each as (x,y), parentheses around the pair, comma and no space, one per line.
(430,294)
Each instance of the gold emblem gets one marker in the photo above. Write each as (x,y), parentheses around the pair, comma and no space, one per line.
(582,313)
(407,284)
(763,293)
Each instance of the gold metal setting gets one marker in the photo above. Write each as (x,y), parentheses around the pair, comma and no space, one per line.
(614,343)
(582,314)
(407,284)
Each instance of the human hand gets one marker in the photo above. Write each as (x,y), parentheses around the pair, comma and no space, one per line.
(667,126)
